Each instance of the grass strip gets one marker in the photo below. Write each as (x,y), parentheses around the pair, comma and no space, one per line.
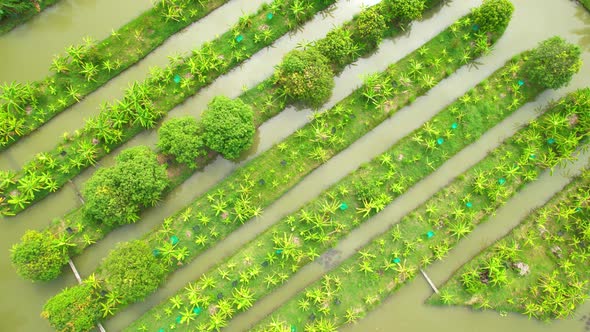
(243,194)
(86,67)
(428,233)
(266,101)
(11,22)
(146,103)
(540,269)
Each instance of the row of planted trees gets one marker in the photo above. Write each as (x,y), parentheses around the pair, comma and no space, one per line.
(115,196)
(181,126)
(428,233)
(145,103)
(86,66)
(229,131)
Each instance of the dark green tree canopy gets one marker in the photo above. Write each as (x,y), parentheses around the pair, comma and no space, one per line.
(305,76)
(405,10)
(39,256)
(115,195)
(228,126)
(183,139)
(75,309)
(553,63)
(493,15)
(132,271)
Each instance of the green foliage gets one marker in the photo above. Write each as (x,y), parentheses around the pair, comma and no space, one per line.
(39,256)
(132,271)
(10,8)
(367,188)
(228,126)
(493,15)
(183,139)
(370,25)
(553,63)
(338,46)
(405,10)
(115,195)
(305,76)
(75,309)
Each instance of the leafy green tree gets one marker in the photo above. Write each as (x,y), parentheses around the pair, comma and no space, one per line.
(228,126)
(115,195)
(75,309)
(39,256)
(183,139)
(370,25)
(493,15)
(305,76)
(132,271)
(405,10)
(338,46)
(553,63)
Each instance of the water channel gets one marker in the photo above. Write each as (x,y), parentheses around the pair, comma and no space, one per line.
(533,21)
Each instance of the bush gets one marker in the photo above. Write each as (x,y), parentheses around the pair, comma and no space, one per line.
(370,25)
(228,126)
(39,256)
(115,195)
(493,15)
(405,10)
(183,139)
(306,77)
(553,63)
(132,271)
(75,309)
(338,46)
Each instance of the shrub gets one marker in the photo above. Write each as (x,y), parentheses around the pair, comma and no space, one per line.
(228,126)
(132,271)
(338,46)
(305,76)
(75,309)
(553,63)
(183,139)
(39,256)
(493,15)
(115,195)
(405,10)
(370,25)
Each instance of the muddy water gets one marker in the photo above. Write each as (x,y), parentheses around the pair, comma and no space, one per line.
(26,52)
(46,137)
(21,301)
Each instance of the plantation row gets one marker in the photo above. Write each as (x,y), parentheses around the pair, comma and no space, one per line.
(86,67)
(233,202)
(191,143)
(428,233)
(271,258)
(146,103)
(540,269)
(15,12)
(170,248)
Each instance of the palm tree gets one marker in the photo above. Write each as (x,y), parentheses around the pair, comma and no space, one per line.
(243,297)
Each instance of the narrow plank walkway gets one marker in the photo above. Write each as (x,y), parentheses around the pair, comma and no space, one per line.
(429,281)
